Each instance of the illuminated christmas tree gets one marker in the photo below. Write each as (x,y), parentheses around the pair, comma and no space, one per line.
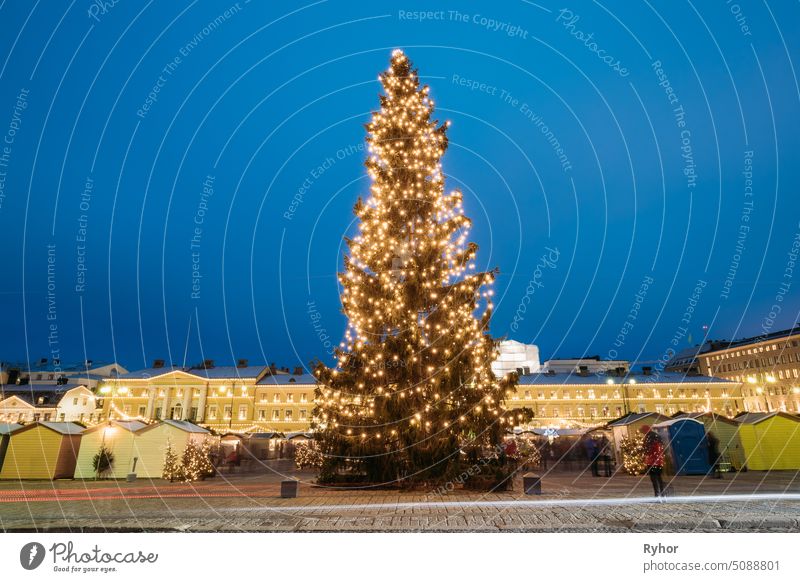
(173,469)
(633,453)
(196,462)
(412,397)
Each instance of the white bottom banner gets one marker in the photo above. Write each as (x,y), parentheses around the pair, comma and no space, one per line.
(390,557)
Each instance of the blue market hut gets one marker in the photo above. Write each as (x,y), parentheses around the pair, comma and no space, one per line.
(686,446)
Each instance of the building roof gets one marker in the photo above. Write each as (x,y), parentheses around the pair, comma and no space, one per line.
(726,345)
(301,379)
(602,379)
(226,372)
(146,373)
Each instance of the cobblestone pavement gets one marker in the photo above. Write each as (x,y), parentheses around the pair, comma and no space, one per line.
(570,502)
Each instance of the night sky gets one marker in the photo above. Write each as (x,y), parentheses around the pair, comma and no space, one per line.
(176,178)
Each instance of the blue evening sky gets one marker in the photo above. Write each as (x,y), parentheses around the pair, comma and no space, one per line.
(189,168)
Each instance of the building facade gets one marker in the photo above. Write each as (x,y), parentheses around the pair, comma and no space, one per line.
(230,398)
(768,367)
(569,399)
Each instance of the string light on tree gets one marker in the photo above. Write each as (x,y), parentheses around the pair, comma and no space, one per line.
(413,385)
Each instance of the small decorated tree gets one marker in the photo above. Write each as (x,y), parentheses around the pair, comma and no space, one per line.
(173,468)
(206,466)
(633,454)
(103,461)
(308,456)
(193,466)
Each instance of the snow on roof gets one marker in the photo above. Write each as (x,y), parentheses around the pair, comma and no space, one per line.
(8,427)
(301,379)
(602,379)
(186,425)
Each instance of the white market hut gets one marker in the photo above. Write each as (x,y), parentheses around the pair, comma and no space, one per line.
(629,425)
(150,444)
(119,437)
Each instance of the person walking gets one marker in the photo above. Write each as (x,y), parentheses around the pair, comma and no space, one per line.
(605,454)
(592,453)
(654,459)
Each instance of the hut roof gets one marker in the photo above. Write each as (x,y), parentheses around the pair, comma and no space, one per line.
(756,417)
(705,415)
(65,428)
(675,421)
(637,416)
(8,427)
(129,425)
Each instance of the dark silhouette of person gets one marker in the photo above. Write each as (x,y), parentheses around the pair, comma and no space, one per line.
(605,454)
(654,459)
(592,453)
(713,455)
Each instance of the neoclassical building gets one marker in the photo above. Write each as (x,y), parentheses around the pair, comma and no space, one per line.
(768,366)
(233,398)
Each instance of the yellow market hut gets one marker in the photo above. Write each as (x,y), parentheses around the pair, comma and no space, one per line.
(727,432)
(771,441)
(118,437)
(42,450)
(150,444)
(6,428)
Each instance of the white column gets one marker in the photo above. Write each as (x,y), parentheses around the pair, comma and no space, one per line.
(166,403)
(201,405)
(151,401)
(187,402)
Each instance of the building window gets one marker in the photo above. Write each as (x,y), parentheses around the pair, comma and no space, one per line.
(303,398)
(276,398)
(262,414)
(242,412)
(276,414)
(74,402)
(289,414)
(193,415)
(212,412)
(290,398)
(142,411)
(226,412)
(303,414)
